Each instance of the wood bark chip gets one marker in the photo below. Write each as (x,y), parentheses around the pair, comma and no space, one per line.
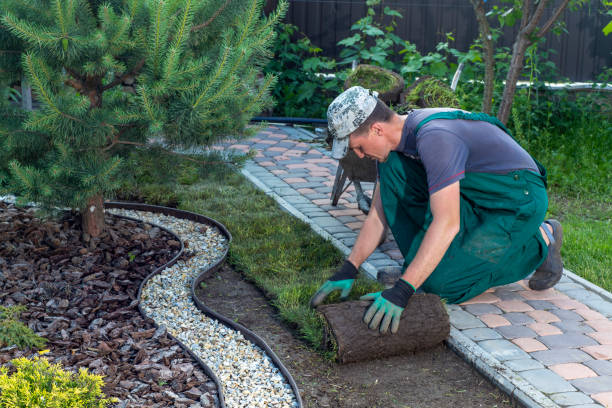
(424,324)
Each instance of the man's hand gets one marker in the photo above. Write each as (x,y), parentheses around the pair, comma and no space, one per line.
(388,306)
(342,280)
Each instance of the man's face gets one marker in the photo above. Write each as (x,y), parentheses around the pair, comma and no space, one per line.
(369,144)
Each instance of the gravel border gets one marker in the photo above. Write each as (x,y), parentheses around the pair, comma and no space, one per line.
(248,375)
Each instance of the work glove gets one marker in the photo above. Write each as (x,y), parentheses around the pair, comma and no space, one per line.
(342,280)
(388,306)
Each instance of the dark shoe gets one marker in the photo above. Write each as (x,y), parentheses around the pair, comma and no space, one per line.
(549,273)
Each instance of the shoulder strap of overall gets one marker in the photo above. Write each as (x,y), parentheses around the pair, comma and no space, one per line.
(475,116)
(465,116)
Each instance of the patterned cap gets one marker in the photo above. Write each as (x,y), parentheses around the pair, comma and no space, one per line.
(346,113)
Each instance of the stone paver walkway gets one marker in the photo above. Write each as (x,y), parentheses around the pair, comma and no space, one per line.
(550,348)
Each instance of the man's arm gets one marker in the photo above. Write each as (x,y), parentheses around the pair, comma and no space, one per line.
(445,209)
(371,232)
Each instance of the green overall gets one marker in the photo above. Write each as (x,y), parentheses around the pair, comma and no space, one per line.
(499,241)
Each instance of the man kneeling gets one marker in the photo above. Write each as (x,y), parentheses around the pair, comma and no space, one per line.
(463,200)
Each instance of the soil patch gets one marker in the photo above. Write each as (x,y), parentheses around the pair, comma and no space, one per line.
(81,295)
(434,378)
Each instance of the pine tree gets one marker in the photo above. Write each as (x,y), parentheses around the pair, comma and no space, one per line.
(193,67)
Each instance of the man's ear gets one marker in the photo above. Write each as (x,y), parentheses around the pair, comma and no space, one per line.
(377,128)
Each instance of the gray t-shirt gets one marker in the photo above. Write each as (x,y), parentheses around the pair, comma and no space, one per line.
(450,148)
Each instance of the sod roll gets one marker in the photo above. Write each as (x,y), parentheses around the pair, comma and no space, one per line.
(424,324)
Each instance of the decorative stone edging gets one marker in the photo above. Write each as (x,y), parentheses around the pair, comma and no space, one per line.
(243,334)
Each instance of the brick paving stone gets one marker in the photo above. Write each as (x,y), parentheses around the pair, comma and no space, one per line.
(560,356)
(601,337)
(601,306)
(377,255)
(523,364)
(573,371)
(565,315)
(593,385)
(604,398)
(511,286)
(541,304)
(505,294)
(600,352)
(548,294)
(582,295)
(570,398)
(503,350)
(600,325)
(572,326)
(518,318)
(587,406)
(482,298)
(317,196)
(514,306)
(345,219)
(379,263)
(355,225)
(493,320)
(463,320)
(349,242)
(347,211)
(563,286)
(529,345)
(481,333)
(589,314)
(306,191)
(479,309)
(285,192)
(298,199)
(544,329)
(567,340)
(514,332)
(601,367)
(547,381)
(334,230)
(543,316)
(568,304)
(326,221)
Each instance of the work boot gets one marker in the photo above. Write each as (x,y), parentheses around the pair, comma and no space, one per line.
(549,273)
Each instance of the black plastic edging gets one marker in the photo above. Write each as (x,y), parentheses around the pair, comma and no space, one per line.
(249,335)
(157,209)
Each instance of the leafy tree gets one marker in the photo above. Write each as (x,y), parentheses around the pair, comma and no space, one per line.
(532,29)
(111,76)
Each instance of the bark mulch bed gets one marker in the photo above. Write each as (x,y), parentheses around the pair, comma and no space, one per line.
(81,295)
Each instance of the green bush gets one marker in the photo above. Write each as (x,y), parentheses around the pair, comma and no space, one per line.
(300,91)
(14,332)
(37,383)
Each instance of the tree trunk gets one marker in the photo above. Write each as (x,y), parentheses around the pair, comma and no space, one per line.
(487,41)
(516,66)
(424,324)
(92,216)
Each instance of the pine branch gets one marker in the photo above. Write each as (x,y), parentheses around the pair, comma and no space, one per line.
(135,71)
(211,81)
(41,89)
(252,16)
(212,18)
(259,96)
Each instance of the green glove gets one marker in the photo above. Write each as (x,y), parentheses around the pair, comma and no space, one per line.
(342,280)
(388,306)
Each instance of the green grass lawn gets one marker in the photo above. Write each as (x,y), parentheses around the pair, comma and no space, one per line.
(278,252)
(587,240)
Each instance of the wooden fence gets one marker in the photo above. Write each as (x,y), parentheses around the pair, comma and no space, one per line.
(581,54)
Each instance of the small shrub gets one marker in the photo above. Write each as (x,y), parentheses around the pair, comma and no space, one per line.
(37,383)
(14,332)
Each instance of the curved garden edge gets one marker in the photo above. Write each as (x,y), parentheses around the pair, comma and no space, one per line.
(249,335)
